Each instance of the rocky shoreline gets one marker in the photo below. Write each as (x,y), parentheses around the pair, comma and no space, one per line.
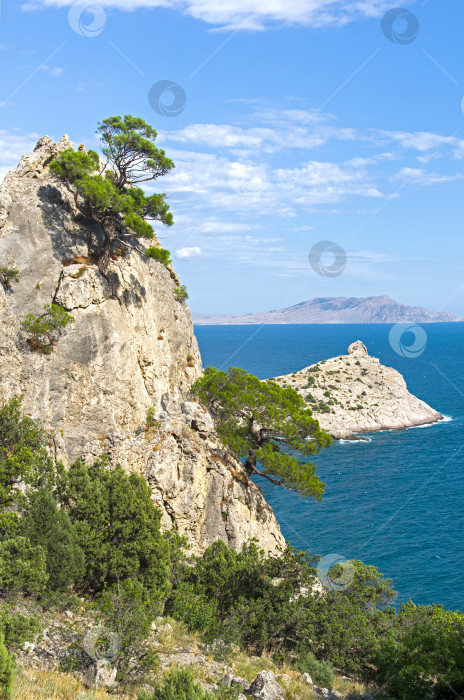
(354,394)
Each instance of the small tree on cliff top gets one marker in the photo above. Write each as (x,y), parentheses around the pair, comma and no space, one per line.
(107,193)
(267,426)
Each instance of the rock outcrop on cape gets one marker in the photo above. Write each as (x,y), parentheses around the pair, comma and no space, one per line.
(131,347)
(354,393)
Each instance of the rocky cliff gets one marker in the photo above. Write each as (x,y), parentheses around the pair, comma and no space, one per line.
(131,347)
(354,393)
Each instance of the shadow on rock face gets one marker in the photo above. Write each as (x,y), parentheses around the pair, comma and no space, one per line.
(68,232)
(74,235)
(136,293)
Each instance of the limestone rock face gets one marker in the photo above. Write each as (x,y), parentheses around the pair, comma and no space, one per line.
(364,396)
(131,347)
(100,675)
(265,687)
(357,348)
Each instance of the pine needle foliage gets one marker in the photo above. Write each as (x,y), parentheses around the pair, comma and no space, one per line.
(44,329)
(269,427)
(23,451)
(107,193)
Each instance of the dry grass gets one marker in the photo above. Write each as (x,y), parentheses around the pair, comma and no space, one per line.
(296,690)
(80,259)
(51,685)
(48,685)
(249,666)
(346,687)
(180,638)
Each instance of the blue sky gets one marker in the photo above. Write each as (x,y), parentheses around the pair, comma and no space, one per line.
(302,121)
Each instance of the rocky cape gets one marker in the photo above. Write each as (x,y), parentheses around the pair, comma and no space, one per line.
(130,348)
(334,310)
(354,393)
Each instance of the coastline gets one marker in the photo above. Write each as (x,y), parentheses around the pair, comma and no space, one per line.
(354,394)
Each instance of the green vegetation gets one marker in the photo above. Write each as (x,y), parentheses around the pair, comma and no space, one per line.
(95,530)
(8,275)
(6,671)
(159,254)
(107,193)
(151,422)
(44,329)
(255,601)
(48,527)
(15,627)
(179,684)
(261,423)
(321,672)
(22,566)
(117,527)
(23,456)
(422,654)
(128,609)
(181,293)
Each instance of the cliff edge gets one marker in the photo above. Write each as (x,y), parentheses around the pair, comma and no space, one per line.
(354,393)
(130,348)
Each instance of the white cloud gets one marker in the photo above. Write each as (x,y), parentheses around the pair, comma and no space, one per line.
(220,136)
(243,175)
(31,6)
(420,176)
(248,140)
(192,252)
(283,129)
(309,130)
(252,14)
(216,226)
(434,145)
(206,180)
(13,145)
(54,71)
(257,174)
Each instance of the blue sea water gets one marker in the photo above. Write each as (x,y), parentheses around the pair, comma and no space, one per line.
(397,501)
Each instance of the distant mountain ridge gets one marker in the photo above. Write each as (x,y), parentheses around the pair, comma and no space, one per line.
(380,309)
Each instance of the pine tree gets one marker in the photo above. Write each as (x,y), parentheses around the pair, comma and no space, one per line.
(106,193)
(51,528)
(7,665)
(266,426)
